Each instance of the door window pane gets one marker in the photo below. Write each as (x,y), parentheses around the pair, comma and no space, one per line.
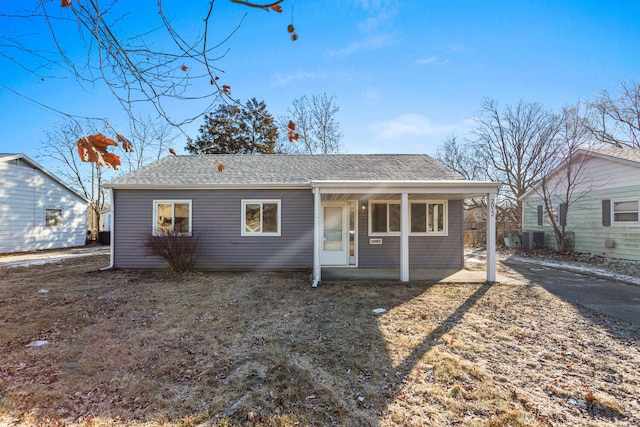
(332,228)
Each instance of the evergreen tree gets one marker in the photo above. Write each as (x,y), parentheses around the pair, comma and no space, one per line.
(231,129)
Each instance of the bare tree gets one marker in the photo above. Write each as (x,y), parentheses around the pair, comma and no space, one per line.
(565,182)
(516,145)
(463,159)
(86,178)
(141,62)
(152,139)
(616,121)
(316,124)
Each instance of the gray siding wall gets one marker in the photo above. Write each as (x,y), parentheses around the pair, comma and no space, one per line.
(424,251)
(216,216)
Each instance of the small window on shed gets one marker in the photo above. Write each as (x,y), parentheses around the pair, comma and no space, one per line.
(53,217)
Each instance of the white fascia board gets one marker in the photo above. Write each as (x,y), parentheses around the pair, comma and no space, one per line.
(443,186)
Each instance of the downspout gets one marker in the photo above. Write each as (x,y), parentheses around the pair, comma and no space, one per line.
(111,233)
(316,237)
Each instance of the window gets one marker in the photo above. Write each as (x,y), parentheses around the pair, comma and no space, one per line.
(556,212)
(429,217)
(172,216)
(53,217)
(550,217)
(624,212)
(261,217)
(384,218)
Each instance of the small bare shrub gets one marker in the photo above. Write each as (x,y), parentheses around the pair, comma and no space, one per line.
(178,249)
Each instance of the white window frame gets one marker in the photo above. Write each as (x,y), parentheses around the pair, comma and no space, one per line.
(45,218)
(171,202)
(624,223)
(261,202)
(370,213)
(445,214)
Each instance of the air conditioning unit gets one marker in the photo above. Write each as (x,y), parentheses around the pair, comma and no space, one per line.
(532,240)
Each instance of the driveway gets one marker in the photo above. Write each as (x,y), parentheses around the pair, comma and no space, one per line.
(26,259)
(605,295)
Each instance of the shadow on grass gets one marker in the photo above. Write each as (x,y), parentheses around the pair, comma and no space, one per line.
(445,326)
(258,348)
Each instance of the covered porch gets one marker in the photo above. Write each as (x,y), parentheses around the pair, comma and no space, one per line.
(360,202)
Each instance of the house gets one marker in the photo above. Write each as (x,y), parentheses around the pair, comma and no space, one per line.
(602,214)
(330,213)
(38,210)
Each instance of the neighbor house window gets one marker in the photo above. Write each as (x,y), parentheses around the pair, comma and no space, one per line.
(172,216)
(261,217)
(53,217)
(624,212)
(551,215)
(429,217)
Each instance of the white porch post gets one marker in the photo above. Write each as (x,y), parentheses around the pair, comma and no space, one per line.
(491,237)
(404,238)
(317,240)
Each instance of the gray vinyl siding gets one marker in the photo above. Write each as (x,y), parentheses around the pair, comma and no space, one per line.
(424,251)
(216,221)
(440,251)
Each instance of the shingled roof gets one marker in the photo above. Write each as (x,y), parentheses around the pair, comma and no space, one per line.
(284,169)
(629,154)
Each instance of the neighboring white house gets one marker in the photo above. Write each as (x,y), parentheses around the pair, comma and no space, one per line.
(37,210)
(603,214)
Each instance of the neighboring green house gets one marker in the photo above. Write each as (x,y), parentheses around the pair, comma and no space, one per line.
(602,215)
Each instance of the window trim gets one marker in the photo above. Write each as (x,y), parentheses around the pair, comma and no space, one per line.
(45,218)
(624,223)
(173,202)
(261,202)
(445,214)
(370,222)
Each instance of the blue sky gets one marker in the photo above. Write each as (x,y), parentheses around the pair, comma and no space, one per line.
(406,74)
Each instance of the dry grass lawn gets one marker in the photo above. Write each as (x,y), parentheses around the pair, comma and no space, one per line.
(147,348)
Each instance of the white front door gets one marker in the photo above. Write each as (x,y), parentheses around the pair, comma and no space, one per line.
(335,234)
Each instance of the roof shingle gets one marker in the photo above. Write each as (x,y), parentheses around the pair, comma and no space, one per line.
(285,169)
(631,154)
